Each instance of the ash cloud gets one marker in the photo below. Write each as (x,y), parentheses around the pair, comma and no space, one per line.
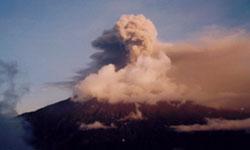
(133,66)
(214,67)
(130,37)
(12,135)
(142,78)
(215,124)
(120,45)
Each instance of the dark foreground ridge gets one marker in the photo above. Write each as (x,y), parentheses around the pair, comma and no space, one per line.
(58,127)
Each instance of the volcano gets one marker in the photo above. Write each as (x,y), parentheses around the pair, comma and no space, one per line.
(123,98)
(90,125)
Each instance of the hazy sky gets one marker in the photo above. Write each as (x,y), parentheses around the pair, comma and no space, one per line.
(51,39)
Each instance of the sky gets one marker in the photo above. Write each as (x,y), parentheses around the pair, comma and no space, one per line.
(51,39)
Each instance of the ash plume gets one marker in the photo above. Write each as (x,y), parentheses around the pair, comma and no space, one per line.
(214,67)
(12,133)
(215,124)
(133,66)
(136,81)
(130,37)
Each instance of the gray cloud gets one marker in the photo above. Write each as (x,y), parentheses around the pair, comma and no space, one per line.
(12,133)
(120,45)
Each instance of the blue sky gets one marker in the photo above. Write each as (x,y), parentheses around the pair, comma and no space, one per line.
(51,39)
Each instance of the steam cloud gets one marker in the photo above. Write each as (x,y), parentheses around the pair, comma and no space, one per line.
(96,125)
(212,69)
(216,124)
(137,115)
(12,133)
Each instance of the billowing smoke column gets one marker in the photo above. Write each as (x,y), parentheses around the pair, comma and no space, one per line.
(144,76)
(131,37)
(12,133)
(211,69)
(138,35)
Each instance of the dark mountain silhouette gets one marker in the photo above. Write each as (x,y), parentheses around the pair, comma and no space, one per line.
(58,127)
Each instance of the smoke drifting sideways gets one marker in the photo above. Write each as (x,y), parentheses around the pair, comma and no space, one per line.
(12,135)
(215,124)
(133,66)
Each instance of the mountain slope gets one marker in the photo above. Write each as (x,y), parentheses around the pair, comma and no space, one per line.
(69,125)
